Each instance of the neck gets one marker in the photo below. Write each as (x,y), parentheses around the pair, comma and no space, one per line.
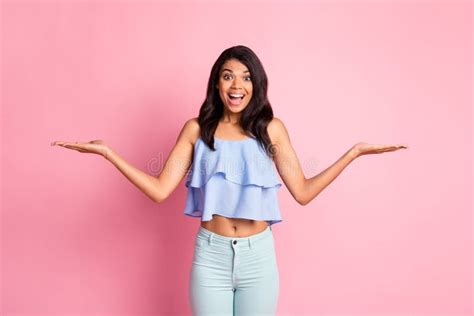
(230,118)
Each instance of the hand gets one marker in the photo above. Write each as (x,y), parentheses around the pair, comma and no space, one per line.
(364,148)
(94,147)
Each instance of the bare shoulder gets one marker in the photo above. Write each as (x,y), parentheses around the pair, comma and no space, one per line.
(276,130)
(192,125)
(191,130)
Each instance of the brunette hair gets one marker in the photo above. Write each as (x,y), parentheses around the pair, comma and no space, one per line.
(257,114)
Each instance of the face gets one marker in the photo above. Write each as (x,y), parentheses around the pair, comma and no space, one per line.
(235,86)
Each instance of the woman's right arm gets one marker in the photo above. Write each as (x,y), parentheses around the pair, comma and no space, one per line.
(175,168)
(158,188)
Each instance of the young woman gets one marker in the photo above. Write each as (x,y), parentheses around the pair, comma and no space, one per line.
(229,150)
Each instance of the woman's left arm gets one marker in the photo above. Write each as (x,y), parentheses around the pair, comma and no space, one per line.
(286,161)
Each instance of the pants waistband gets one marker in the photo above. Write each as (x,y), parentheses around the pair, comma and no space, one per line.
(213,238)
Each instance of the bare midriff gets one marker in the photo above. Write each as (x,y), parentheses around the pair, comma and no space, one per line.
(234,227)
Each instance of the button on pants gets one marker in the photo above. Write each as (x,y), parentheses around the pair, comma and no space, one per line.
(234,275)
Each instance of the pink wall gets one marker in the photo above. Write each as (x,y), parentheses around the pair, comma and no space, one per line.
(392,235)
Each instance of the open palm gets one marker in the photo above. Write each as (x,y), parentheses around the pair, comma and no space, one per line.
(365,149)
(94,146)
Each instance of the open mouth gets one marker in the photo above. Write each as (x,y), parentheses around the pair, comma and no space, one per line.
(236,96)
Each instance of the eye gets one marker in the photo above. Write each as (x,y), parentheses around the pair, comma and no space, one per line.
(226,76)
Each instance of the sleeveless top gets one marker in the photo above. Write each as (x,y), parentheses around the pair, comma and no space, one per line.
(236,181)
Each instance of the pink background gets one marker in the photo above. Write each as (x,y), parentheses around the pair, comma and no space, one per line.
(392,235)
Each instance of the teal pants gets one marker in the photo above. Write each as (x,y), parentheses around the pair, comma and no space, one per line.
(234,275)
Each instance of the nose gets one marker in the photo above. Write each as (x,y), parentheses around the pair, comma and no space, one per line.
(237,82)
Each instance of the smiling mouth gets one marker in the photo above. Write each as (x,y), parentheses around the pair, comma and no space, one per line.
(235,98)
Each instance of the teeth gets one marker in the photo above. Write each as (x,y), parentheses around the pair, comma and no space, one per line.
(236,95)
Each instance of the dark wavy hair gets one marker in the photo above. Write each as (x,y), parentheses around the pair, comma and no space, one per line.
(256,116)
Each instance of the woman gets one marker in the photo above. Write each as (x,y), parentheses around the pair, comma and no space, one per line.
(232,186)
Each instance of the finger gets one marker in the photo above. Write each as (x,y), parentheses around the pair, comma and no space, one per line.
(62,143)
(390,147)
(58,143)
(69,146)
(400,146)
(77,148)
(378,148)
(74,145)
(385,149)
(396,147)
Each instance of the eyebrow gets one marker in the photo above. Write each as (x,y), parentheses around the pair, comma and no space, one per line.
(231,70)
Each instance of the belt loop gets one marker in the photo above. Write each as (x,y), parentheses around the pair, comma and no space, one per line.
(250,244)
(270,227)
(210,238)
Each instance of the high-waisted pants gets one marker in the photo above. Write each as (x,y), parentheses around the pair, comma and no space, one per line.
(234,275)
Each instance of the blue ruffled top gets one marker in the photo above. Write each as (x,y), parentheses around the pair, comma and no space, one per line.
(238,180)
